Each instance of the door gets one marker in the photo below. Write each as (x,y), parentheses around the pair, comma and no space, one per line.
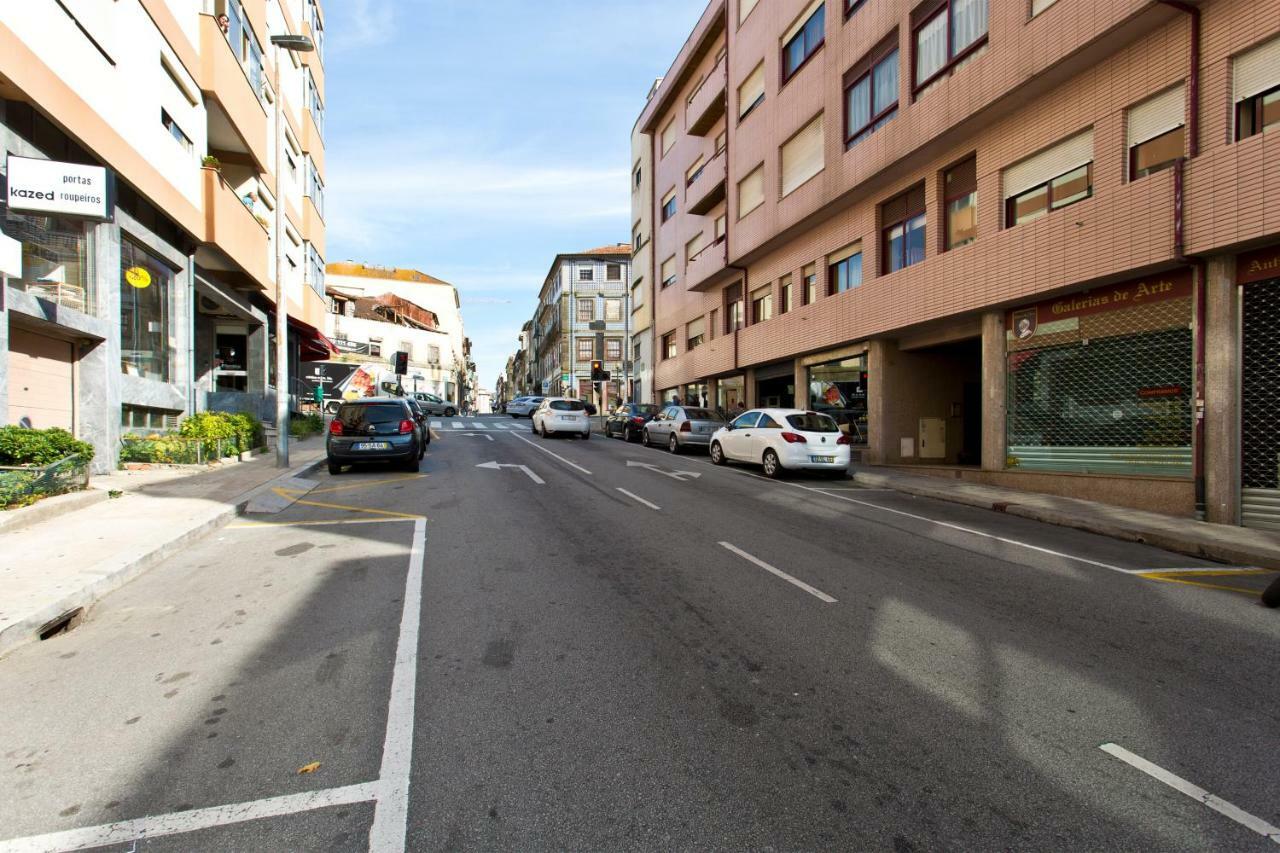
(767,432)
(660,426)
(737,441)
(1260,406)
(41,381)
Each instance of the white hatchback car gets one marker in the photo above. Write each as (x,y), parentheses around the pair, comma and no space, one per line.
(783,439)
(561,414)
(523,406)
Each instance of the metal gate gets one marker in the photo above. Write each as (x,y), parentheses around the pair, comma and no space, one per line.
(1260,406)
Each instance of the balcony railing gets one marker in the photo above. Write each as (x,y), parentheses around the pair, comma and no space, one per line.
(707,188)
(707,103)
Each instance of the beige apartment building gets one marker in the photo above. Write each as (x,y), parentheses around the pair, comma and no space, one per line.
(1020,242)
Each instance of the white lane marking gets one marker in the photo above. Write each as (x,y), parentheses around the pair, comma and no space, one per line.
(675,475)
(498,466)
(391,811)
(1195,792)
(478,425)
(437,424)
(1209,570)
(639,499)
(178,823)
(477,435)
(816,593)
(456,424)
(556,455)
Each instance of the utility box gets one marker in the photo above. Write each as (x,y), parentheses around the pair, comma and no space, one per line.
(933,438)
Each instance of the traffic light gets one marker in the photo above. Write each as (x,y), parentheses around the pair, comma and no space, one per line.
(402,363)
(597,371)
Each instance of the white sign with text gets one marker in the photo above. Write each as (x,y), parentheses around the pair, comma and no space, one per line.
(50,186)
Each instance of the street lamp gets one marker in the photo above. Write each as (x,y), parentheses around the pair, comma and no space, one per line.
(299,44)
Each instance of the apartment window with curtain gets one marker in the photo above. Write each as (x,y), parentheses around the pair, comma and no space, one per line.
(1256,89)
(844,268)
(695,334)
(809,277)
(803,39)
(668,271)
(586,309)
(949,30)
(586,349)
(613,349)
(1055,178)
(960,192)
(762,304)
(733,308)
(903,230)
(668,205)
(751,191)
(802,156)
(613,310)
(784,294)
(871,94)
(1156,133)
(751,91)
(669,345)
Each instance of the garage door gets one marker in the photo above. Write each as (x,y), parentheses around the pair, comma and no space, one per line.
(41,391)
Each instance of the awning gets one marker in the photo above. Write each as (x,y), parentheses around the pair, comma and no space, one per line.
(313,345)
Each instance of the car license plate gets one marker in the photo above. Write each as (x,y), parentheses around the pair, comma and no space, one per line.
(568,418)
(822,459)
(372,445)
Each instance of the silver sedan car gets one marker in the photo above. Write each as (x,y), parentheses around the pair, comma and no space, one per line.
(678,427)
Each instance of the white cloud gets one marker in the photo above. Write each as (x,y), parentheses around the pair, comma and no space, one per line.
(365,23)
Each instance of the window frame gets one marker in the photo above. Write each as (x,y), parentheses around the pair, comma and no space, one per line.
(669,201)
(617,302)
(1163,164)
(586,273)
(1256,111)
(764,301)
(809,53)
(833,288)
(585,302)
(953,59)
(671,279)
(786,295)
(1047,186)
(851,7)
(909,217)
(873,124)
(590,349)
(809,284)
(669,348)
(947,245)
(613,345)
(743,113)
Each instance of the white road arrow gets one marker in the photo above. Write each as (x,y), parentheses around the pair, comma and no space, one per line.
(682,476)
(477,434)
(496,466)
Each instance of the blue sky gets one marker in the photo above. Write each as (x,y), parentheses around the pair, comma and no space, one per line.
(479,172)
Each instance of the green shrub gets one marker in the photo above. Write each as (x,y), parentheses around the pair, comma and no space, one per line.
(22,446)
(301,426)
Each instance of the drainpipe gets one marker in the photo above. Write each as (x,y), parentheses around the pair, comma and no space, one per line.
(193,303)
(1193,74)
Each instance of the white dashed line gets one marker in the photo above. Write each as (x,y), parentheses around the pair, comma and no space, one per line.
(639,499)
(816,593)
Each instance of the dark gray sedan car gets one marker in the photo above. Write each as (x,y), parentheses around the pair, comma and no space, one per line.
(375,429)
(679,427)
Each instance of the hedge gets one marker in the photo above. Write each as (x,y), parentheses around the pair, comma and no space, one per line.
(24,446)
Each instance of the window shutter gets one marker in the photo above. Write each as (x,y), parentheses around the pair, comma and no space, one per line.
(696,328)
(962,178)
(1048,164)
(750,90)
(668,268)
(744,9)
(694,247)
(1157,115)
(802,20)
(751,192)
(1038,6)
(802,156)
(668,136)
(844,254)
(1258,70)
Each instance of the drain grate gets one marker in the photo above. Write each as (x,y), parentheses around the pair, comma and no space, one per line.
(61,625)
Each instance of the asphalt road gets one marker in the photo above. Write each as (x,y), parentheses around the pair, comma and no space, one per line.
(587,654)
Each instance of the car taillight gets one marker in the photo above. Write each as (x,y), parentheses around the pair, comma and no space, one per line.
(844,439)
(406,427)
(335,427)
(637,419)
(686,427)
(794,438)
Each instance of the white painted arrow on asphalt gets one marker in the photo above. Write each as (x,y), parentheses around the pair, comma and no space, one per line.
(477,434)
(675,475)
(496,466)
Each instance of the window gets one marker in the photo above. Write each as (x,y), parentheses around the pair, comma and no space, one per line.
(692,248)
(810,277)
(637,292)
(669,345)
(960,191)
(315,186)
(1038,6)
(1156,137)
(851,6)
(668,272)
(803,39)
(175,131)
(695,333)
(694,172)
(784,295)
(762,304)
(668,136)
(57,258)
(613,272)
(751,191)
(313,102)
(613,310)
(637,174)
(613,349)
(586,349)
(1258,115)
(145,295)
(733,319)
(721,140)
(586,309)
(586,273)
(1256,89)
(954,30)
(745,8)
(1054,178)
(721,225)
(751,91)
(902,219)
(668,205)
(637,239)
(802,156)
(844,269)
(433,354)
(870,97)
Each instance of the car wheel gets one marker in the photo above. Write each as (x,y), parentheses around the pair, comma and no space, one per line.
(772,466)
(674,444)
(717,454)
(644,439)
(335,468)
(628,434)
(586,436)
(533,426)
(413,464)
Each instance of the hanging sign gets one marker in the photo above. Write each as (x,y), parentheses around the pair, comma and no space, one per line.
(50,186)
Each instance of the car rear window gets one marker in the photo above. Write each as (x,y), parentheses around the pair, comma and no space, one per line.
(647,409)
(702,415)
(812,422)
(568,406)
(370,413)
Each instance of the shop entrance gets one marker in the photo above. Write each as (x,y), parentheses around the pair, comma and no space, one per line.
(936,396)
(1260,407)
(776,386)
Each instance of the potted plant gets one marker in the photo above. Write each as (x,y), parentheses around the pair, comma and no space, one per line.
(211,162)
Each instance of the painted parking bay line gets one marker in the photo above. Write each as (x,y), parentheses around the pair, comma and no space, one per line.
(816,593)
(639,499)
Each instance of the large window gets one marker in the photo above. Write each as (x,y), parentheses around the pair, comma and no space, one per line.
(613,349)
(669,345)
(57,258)
(695,333)
(960,188)
(1067,188)
(1156,137)
(844,268)
(668,205)
(810,276)
(903,231)
(613,310)
(751,192)
(947,35)
(145,294)
(762,304)
(1054,178)
(586,349)
(586,309)
(733,308)
(803,39)
(785,303)
(668,271)
(839,389)
(802,156)
(751,92)
(1256,89)
(870,97)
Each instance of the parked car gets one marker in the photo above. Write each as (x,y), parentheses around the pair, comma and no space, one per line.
(374,429)
(678,427)
(424,427)
(523,407)
(561,414)
(628,420)
(434,405)
(783,439)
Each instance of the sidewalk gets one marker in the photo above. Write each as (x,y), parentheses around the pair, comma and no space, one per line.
(1235,545)
(68,561)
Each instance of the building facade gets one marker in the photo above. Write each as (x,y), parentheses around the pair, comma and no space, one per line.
(1023,243)
(642,271)
(158,301)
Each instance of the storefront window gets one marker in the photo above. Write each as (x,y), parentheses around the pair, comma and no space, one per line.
(146,283)
(695,394)
(57,258)
(839,389)
(731,395)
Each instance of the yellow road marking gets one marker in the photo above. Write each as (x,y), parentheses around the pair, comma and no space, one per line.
(435,436)
(1208,573)
(1156,576)
(262,524)
(350,508)
(363,485)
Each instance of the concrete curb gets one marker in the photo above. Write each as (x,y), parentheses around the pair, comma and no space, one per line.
(47,508)
(121,569)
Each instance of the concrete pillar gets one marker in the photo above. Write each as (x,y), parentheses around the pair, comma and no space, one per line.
(4,352)
(802,385)
(1222,452)
(98,372)
(749,388)
(713,392)
(994,392)
(256,352)
(882,444)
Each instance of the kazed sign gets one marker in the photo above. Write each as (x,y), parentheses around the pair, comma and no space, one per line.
(66,189)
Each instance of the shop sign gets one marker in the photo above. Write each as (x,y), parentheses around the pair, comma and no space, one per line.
(66,189)
(1258,266)
(1162,287)
(137,277)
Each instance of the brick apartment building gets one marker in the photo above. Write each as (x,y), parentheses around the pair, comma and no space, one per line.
(1021,242)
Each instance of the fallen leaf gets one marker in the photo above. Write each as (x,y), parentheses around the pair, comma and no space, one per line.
(309,768)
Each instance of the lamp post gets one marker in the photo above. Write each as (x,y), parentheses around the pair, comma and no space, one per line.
(300,44)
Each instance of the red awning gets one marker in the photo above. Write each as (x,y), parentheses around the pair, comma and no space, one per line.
(313,345)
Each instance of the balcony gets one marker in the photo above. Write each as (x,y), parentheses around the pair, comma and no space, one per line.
(311,59)
(237,118)
(232,228)
(313,225)
(708,102)
(312,141)
(708,186)
(708,267)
